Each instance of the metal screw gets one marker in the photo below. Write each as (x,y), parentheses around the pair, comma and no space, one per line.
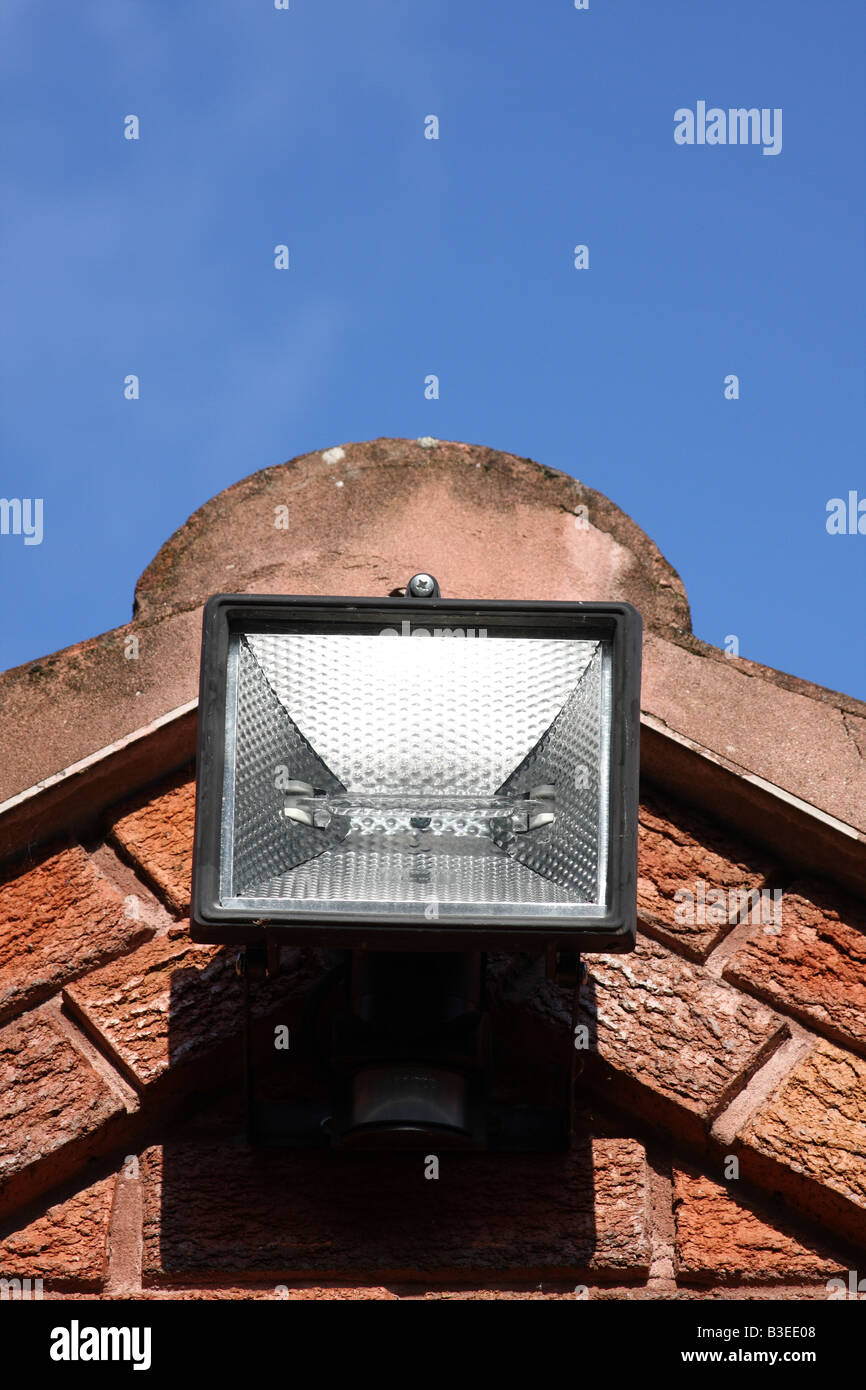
(421,585)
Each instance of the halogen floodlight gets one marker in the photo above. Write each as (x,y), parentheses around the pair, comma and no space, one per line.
(417,773)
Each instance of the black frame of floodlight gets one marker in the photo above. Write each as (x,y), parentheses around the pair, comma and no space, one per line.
(611,930)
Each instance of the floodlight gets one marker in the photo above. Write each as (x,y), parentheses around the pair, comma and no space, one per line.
(417,774)
(432,774)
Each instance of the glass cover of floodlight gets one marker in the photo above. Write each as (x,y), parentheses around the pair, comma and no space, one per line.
(435,774)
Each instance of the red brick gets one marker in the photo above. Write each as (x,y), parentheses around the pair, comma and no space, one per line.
(59,918)
(722,1237)
(67,1244)
(815,967)
(55,1110)
(531,1295)
(156,833)
(225,1212)
(755,1293)
(670,1041)
(168,1007)
(271,1293)
(808,1140)
(330,1293)
(678,849)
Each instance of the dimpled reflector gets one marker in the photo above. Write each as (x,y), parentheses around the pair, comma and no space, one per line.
(410,768)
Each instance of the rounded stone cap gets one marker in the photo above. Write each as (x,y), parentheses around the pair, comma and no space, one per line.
(360,519)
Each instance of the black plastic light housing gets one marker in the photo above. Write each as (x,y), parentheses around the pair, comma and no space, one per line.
(417,774)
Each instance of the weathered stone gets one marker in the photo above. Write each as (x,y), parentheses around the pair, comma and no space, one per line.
(54,1108)
(67,1244)
(814,966)
(668,1040)
(59,918)
(166,1008)
(157,833)
(681,853)
(723,1237)
(377,1214)
(787,731)
(808,1140)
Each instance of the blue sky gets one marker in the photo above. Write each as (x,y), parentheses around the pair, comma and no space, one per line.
(412,256)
